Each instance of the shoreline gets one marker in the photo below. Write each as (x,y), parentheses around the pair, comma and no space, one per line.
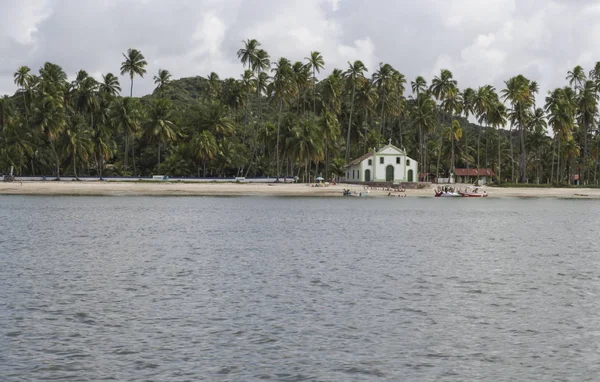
(115,188)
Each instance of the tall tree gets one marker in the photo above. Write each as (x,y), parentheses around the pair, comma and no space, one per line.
(282,88)
(354,76)
(161,80)
(316,63)
(134,64)
(159,128)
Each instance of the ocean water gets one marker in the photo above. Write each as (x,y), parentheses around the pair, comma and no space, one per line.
(298,289)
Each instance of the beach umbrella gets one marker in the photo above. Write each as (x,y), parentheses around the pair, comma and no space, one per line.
(320,178)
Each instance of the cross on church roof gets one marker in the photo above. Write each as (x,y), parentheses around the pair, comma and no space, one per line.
(390,141)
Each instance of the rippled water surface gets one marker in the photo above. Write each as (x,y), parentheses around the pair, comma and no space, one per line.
(292,289)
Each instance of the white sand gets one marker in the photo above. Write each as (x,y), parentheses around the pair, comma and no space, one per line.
(256,189)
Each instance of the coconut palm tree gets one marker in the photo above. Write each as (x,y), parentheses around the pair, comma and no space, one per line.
(423,115)
(215,118)
(418,86)
(159,128)
(125,116)
(161,80)
(587,108)
(316,63)
(22,79)
(519,93)
(76,143)
(134,64)
(354,76)
(382,79)
(451,104)
(204,147)
(282,88)
(576,77)
(496,117)
(110,86)
(248,54)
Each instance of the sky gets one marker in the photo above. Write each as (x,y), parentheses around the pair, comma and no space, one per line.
(480,41)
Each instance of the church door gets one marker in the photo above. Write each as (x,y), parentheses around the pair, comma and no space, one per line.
(389,173)
(367,175)
(410,176)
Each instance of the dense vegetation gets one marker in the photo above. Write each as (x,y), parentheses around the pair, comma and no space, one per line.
(279,119)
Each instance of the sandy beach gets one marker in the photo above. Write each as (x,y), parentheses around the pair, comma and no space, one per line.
(109,188)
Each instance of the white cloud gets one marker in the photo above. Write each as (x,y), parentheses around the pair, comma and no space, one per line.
(480,41)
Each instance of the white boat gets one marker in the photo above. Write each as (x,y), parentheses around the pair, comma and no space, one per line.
(447,194)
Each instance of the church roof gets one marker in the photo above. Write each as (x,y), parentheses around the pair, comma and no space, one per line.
(370,154)
(362,158)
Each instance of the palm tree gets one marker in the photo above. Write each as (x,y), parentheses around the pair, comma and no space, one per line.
(316,63)
(159,127)
(110,86)
(418,86)
(306,144)
(77,143)
(161,80)
(561,110)
(587,105)
(214,85)
(451,104)
(125,117)
(282,89)
(22,79)
(50,118)
(382,78)
(354,75)
(442,85)
(423,114)
(204,147)
(519,93)
(496,117)
(576,77)
(248,54)
(134,64)
(215,118)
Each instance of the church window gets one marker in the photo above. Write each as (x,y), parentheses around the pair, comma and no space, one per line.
(397,160)
(381,160)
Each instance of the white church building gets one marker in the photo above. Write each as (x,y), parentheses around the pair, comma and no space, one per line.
(389,164)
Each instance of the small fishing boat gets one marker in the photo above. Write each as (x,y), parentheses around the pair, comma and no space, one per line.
(473,194)
(447,194)
(361,194)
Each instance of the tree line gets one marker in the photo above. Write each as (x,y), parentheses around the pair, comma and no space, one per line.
(280,119)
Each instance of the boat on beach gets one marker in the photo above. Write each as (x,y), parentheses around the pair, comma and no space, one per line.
(361,194)
(473,194)
(447,194)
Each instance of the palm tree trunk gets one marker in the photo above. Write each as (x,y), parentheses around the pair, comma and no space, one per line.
(314,97)
(523,156)
(553,154)
(452,149)
(131,89)
(75,165)
(512,155)
(158,154)
(56,159)
(126,152)
(558,172)
(133,157)
(381,128)
(499,157)
(326,158)
(350,124)
(278,127)
(437,167)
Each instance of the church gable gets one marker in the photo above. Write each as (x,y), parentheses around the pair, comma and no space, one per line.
(391,150)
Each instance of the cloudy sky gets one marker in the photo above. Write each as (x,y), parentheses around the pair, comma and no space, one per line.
(480,41)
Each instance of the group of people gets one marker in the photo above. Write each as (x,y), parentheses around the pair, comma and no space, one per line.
(445,189)
(390,195)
